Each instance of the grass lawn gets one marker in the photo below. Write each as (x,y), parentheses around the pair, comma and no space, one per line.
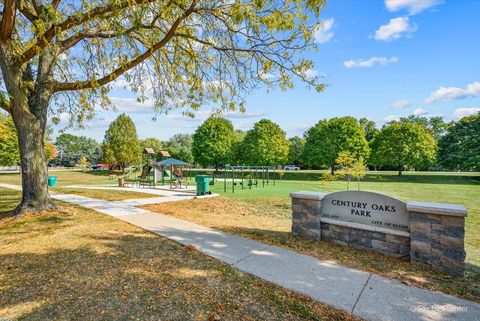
(265,214)
(66,178)
(79,264)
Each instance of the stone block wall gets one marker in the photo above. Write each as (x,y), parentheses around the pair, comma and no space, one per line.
(306,216)
(436,237)
(383,243)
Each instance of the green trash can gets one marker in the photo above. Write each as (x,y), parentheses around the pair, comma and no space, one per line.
(203,182)
(52,181)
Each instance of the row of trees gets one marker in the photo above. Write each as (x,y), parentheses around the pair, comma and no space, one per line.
(413,142)
(216,143)
(410,143)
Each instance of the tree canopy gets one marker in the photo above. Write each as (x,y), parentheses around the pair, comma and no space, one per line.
(212,142)
(296,150)
(151,142)
(63,57)
(265,145)
(180,146)
(325,140)
(71,148)
(403,145)
(120,146)
(369,128)
(459,149)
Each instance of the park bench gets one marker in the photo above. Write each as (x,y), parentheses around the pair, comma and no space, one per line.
(145,183)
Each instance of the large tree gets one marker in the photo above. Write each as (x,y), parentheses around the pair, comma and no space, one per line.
(325,140)
(61,56)
(403,145)
(296,150)
(180,146)
(71,148)
(212,142)
(459,149)
(151,142)
(436,125)
(369,128)
(120,146)
(265,145)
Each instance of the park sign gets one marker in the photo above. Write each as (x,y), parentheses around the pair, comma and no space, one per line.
(365,208)
(429,234)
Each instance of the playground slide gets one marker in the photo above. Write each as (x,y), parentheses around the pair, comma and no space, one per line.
(132,171)
(167,174)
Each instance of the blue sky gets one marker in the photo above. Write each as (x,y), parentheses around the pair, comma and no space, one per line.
(380,59)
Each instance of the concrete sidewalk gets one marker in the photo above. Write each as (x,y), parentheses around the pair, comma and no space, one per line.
(361,293)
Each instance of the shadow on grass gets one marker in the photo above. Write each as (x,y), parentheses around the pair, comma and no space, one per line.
(138,276)
(9,201)
(467,287)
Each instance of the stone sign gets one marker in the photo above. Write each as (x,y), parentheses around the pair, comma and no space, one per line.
(366,208)
(429,234)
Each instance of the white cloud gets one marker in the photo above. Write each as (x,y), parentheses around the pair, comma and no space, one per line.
(323,31)
(390,118)
(400,104)
(394,29)
(204,114)
(369,62)
(454,93)
(420,112)
(413,6)
(239,115)
(131,105)
(459,113)
(311,73)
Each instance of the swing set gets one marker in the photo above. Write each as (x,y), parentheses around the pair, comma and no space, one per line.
(248,176)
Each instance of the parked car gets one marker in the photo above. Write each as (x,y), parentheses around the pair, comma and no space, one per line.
(291,168)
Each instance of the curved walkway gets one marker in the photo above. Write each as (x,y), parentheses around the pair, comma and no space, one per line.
(361,293)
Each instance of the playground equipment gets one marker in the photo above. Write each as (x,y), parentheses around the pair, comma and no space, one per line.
(170,170)
(173,171)
(251,175)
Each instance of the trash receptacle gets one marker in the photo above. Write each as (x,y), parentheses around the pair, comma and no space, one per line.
(52,181)
(203,182)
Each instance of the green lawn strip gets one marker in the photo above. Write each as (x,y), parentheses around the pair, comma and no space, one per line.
(75,263)
(65,178)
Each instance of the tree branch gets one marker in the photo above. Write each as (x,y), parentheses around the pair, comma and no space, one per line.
(41,41)
(8,20)
(94,83)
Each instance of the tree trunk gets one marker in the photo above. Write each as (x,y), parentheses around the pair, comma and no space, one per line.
(400,169)
(35,195)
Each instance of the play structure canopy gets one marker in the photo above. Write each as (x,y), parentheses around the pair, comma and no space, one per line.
(173,162)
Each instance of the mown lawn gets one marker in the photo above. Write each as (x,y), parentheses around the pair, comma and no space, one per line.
(78,264)
(67,178)
(265,214)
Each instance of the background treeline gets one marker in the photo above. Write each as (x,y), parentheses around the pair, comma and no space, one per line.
(417,143)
